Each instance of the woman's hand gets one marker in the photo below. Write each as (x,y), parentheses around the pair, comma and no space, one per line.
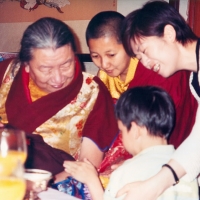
(138,191)
(153,187)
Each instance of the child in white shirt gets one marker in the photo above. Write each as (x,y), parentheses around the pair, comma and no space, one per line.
(146,117)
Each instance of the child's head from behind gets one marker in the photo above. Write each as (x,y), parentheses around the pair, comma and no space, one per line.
(149,108)
(103,37)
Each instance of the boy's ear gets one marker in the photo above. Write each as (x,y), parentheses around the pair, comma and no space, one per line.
(135,130)
(169,33)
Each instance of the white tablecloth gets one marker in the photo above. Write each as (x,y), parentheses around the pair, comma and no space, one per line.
(51,194)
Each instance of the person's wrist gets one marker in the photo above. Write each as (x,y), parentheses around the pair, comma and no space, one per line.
(167,178)
(162,180)
(176,179)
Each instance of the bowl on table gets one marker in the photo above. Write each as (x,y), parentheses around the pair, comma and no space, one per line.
(36,181)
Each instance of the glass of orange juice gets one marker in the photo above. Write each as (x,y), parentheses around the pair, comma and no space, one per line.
(13,152)
(13,185)
(13,144)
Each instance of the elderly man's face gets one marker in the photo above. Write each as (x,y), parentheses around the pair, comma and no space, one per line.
(52,70)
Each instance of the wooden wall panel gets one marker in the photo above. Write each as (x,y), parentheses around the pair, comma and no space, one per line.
(194,16)
(175,3)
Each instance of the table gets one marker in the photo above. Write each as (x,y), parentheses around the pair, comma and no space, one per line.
(52,194)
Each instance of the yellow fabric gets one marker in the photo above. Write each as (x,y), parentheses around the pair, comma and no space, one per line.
(35,91)
(104,180)
(71,119)
(114,84)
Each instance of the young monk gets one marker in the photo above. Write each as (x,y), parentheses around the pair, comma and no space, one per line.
(146,117)
(119,71)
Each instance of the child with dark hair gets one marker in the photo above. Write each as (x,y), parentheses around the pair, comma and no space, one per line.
(146,117)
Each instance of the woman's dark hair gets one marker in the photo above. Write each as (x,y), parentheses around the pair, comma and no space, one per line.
(45,33)
(151,20)
(106,23)
(147,106)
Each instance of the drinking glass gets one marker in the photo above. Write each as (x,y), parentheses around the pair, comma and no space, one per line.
(13,144)
(13,152)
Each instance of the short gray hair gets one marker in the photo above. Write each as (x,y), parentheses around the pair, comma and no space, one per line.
(46,32)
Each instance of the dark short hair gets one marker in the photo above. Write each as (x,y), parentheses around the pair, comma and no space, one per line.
(150,20)
(148,106)
(46,32)
(106,23)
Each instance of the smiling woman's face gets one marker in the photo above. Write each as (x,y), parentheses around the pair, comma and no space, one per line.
(52,70)
(157,54)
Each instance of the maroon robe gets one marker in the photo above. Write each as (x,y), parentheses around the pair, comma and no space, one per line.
(100,127)
(178,87)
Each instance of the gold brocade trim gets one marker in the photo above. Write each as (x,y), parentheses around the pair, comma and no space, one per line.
(71,119)
(35,91)
(114,84)
(5,88)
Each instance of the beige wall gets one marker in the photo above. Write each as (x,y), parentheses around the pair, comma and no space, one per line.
(14,20)
(76,15)
(11,33)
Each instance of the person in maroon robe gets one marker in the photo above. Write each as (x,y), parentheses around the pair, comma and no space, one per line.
(66,113)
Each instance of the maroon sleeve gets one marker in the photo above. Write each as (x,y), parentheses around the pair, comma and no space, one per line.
(42,156)
(186,107)
(101,125)
(3,66)
(177,86)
